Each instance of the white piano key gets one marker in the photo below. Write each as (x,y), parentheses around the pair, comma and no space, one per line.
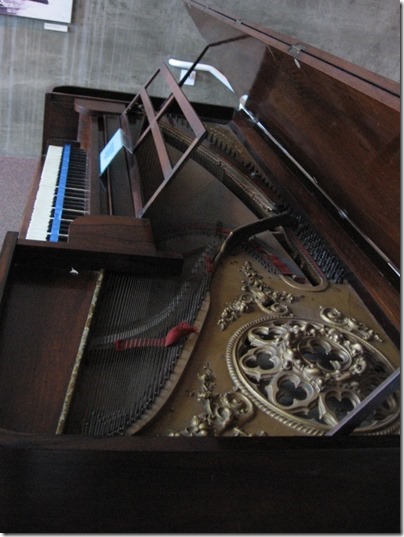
(38,226)
(35,234)
(48,188)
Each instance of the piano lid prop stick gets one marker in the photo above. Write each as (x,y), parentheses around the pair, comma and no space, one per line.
(173,336)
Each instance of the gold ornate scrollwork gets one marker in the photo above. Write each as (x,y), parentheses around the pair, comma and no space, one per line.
(309,375)
(223,413)
(255,292)
(337,318)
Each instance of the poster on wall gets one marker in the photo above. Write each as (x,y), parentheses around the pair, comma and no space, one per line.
(48,10)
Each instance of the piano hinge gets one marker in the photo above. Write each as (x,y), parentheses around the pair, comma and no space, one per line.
(295,50)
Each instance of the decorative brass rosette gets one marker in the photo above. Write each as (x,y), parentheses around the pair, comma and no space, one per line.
(308,374)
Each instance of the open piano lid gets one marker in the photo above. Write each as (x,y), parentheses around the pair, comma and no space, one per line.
(339,122)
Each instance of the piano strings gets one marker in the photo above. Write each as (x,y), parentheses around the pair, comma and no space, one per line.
(116,387)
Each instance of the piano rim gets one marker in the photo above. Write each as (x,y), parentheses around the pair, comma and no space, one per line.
(56,442)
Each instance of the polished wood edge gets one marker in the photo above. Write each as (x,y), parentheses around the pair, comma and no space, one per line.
(93,164)
(61,255)
(6,259)
(145,444)
(114,233)
(94,107)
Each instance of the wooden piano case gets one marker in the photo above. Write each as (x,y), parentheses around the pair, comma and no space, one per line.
(238,438)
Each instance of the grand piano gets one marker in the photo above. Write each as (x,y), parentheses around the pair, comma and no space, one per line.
(200,315)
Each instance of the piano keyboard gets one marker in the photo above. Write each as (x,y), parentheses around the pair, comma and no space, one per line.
(62,194)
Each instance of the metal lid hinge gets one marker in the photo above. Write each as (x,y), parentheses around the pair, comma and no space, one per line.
(294,51)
